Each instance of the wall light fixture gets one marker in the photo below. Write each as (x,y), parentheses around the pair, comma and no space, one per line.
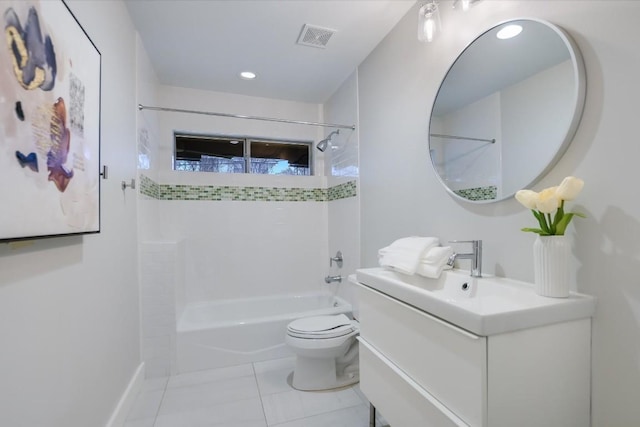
(429,25)
(428,21)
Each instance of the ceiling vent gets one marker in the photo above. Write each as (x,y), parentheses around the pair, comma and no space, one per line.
(315,36)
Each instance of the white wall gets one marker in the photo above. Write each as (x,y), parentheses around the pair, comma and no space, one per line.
(402,196)
(69,306)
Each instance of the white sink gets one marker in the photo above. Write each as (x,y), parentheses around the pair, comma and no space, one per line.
(484,306)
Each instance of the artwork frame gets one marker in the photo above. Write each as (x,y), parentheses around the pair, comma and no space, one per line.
(50,100)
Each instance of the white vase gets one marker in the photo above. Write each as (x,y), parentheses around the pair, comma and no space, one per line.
(551,259)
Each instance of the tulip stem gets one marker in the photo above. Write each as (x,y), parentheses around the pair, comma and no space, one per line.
(544,228)
(551,199)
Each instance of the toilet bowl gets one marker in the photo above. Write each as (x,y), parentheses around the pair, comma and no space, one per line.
(326,352)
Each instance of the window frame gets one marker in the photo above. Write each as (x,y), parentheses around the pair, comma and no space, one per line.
(246,141)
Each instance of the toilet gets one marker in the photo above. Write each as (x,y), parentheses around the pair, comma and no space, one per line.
(326,352)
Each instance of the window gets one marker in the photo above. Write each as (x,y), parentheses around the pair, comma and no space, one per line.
(241,155)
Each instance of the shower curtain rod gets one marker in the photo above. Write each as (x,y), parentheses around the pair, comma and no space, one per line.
(239,116)
(466,138)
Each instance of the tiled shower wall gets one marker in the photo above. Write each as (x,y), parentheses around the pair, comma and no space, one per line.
(239,236)
(342,168)
(242,242)
(161,301)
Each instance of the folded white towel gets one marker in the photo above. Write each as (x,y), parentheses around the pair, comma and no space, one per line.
(405,254)
(434,262)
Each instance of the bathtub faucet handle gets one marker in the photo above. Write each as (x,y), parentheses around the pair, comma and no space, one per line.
(338,259)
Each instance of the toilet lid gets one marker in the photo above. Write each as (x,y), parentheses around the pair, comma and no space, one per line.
(319,327)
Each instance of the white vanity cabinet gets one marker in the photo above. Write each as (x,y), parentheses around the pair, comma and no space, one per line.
(420,370)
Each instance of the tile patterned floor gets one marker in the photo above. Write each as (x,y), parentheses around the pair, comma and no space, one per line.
(252,395)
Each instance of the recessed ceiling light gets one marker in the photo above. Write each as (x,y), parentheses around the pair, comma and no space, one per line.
(247,75)
(509,31)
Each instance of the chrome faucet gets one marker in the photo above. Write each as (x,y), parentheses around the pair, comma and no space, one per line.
(338,259)
(475,256)
(331,279)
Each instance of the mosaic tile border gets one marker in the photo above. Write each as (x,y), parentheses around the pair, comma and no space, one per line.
(244,194)
(342,191)
(151,189)
(479,193)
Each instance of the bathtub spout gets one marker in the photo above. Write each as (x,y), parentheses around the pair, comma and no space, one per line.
(331,279)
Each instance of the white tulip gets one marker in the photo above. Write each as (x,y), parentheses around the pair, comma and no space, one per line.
(527,198)
(548,200)
(570,188)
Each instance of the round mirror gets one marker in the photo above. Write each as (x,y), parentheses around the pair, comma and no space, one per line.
(506,110)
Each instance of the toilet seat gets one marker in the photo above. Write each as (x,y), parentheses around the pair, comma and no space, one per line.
(321,327)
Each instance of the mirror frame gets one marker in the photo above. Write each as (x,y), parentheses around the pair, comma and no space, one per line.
(578,103)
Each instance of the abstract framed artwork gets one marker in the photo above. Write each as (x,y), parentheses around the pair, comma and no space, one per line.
(49,123)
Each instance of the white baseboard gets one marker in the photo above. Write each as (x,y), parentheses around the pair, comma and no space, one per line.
(127,399)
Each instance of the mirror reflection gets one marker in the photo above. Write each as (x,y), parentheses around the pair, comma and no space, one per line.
(506,110)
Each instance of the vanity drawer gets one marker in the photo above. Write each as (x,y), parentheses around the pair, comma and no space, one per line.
(400,400)
(448,362)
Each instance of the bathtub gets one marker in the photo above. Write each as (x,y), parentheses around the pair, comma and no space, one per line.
(232,332)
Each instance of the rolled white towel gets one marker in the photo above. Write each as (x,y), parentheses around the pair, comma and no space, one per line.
(405,254)
(434,262)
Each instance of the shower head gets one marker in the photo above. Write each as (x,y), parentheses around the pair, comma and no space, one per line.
(322,145)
